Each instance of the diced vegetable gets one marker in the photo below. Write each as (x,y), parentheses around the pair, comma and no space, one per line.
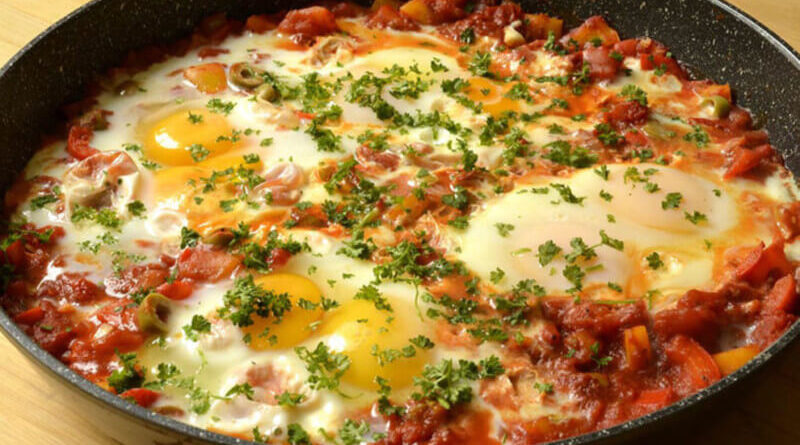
(762,261)
(783,295)
(731,360)
(637,347)
(141,396)
(541,25)
(208,78)
(418,11)
(695,362)
(31,316)
(653,399)
(746,159)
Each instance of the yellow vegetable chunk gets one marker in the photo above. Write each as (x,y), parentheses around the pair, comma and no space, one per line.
(637,347)
(731,360)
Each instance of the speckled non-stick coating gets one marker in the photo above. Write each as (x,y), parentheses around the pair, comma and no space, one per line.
(714,39)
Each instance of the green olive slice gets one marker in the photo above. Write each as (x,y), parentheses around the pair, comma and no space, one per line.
(244,75)
(266,93)
(153,313)
(720,107)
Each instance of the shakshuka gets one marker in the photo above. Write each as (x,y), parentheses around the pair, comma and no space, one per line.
(443,221)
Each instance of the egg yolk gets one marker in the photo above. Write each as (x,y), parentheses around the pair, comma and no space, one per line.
(362,332)
(187,137)
(490,95)
(294,326)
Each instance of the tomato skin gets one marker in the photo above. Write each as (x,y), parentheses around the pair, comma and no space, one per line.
(307,23)
(209,78)
(698,368)
(744,159)
(601,65)
(388,17)
(141,396)
(207,52)
(31,316)
(177,290)
(260,24)
(72,287)
(594,27)
(206,264)
(279,257)
(761,262)
(78,142)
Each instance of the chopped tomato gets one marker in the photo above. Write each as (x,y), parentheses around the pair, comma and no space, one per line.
(761,262)
(78,142)
(206,264)
(207,52)
(594,29)
(141,396)
(279,257)
(388,17)
(601,63)
(308,23)
(260,24)
(653,399)
(209,78)
(697,366)
(783,295)
(31,316)
(746,159)
(177,290)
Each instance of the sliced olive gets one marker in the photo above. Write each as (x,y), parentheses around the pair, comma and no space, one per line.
(220,237)
(655,130)
(246,76)
(153,313)
(720,106)
(266,93)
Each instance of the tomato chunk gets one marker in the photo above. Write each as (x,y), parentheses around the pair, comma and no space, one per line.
(259,24)
(601,65)
(592,30)
(761,262)
(78,142)
(388,17)
(205,264)
(745,159)
(783,295)
(308,23)
(141,396)
(177,290)
(208,78)
(698,367)
(31,316)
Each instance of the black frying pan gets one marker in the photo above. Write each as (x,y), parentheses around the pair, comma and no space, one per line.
(713,38)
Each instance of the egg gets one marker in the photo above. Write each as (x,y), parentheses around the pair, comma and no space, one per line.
(363,333)
(297,324)
(187,136)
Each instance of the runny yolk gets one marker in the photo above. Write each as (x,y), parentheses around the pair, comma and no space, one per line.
(362,333)
(188,136)
(295,325)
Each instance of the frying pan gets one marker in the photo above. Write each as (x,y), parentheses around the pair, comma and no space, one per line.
(713,38)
